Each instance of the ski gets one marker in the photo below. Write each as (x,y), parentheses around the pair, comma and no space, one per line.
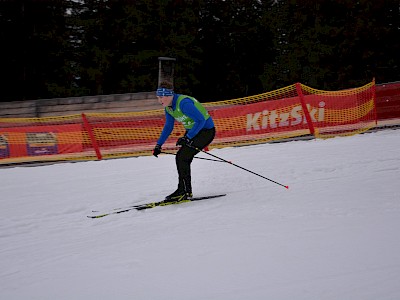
(152,205)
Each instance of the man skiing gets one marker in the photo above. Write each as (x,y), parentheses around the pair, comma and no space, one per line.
(200,132)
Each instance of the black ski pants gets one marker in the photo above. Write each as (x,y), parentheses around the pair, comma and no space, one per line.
(186,154)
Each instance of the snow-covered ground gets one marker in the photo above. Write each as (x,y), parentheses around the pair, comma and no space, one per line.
(334,234)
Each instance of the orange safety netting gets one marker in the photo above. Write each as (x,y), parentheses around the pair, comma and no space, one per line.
(293,111)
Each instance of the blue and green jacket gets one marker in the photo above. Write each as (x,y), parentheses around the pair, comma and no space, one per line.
(188,111)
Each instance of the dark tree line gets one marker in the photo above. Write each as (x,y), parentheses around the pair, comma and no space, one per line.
(224,49)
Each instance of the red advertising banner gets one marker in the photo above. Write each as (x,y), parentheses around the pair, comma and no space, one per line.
(292,111)
(40,140)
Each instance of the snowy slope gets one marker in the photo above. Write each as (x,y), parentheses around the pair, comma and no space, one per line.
(334,234)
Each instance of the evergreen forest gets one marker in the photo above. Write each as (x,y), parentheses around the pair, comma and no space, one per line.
(223,49)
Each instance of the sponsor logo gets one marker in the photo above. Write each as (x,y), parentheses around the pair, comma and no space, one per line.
(272,119)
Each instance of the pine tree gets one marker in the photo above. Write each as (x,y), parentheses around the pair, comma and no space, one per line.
(235,45)
(32,37)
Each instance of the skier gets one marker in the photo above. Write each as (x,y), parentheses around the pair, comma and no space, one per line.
(200,132)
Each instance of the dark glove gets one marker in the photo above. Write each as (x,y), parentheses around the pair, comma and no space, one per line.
(157,150)
(184,141)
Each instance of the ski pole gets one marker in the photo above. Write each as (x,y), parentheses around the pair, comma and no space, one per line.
(229,162)
(195,157)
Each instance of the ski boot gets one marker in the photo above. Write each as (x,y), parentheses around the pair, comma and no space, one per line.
(184,192)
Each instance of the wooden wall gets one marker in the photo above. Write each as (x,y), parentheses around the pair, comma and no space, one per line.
(77,105)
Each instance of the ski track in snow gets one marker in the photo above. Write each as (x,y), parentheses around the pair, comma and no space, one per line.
(332,235)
